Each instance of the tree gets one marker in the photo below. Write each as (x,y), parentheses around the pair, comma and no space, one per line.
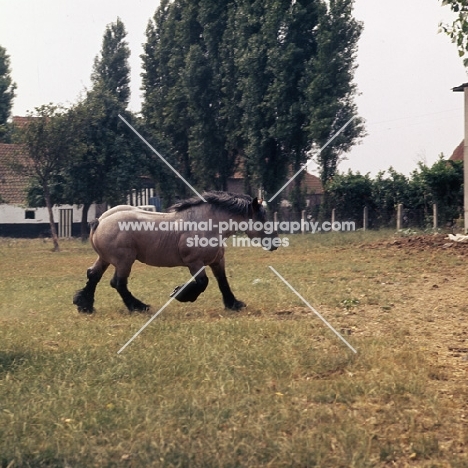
(182,83)
(7,93)
(111,70)
(296,65)
(109,164)
(349,193)
(331,90)
(457,31)
(48,142)
(250,84)
(389,189)
(442,184)
(105,161)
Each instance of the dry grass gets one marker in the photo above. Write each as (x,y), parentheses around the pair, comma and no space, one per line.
(270,386)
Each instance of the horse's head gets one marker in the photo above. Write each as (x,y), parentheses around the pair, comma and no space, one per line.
(260,228)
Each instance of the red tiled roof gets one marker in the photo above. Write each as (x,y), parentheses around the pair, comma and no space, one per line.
(20,121)
(313,184)
(457,154)
(310,182)
(12,182)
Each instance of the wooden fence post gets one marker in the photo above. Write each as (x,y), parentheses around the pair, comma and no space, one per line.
(365,219)
(435,216)
(399,221)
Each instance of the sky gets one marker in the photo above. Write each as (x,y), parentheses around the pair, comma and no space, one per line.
(405,75)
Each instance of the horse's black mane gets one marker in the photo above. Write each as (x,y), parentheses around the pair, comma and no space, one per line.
(233,203)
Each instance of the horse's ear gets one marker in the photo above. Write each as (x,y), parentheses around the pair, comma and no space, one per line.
(257,203)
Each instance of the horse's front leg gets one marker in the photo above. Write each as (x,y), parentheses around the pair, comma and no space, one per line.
(193,289)
(230,302)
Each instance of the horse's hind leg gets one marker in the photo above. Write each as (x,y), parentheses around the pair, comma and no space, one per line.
(120,284)
(230,302)
(84,298)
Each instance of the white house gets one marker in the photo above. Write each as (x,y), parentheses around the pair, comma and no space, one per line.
(19,220)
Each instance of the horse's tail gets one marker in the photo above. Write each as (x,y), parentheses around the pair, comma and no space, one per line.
(93,226)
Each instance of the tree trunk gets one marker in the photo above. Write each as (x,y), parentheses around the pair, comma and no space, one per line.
(84,221)
(298,203)
(53,231)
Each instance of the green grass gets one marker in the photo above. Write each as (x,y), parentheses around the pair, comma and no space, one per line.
(201,386)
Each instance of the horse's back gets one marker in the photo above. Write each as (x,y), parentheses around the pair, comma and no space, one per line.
(117,209)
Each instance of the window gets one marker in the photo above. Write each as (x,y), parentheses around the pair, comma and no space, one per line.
(29,214)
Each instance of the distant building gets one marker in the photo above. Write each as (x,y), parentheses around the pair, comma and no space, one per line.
(19,220)
(457,154)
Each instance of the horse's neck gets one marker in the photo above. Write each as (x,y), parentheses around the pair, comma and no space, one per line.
(232,221)
(217,216)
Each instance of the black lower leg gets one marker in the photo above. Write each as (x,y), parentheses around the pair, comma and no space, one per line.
(191,292)
(84,298)
(230,302)
(132,303)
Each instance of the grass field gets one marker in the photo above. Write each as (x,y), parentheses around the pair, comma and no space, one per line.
(269,386)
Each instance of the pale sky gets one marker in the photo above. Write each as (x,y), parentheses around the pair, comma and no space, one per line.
(405,75)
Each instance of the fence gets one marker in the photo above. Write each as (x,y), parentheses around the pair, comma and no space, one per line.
(399,218)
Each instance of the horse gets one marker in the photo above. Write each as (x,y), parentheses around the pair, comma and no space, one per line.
(184,236)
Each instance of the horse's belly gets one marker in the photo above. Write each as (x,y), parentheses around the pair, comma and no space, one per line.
(162,261)
(160,257)
(173,254)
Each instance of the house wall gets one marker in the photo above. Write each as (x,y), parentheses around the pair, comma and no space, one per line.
(13,221)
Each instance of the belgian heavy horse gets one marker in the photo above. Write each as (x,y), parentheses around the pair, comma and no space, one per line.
(125,234)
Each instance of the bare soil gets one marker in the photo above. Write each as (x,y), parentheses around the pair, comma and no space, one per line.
(435,318)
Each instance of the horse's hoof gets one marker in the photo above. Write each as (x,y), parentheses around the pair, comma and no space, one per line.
(83,303)
(139,307)
(236,305)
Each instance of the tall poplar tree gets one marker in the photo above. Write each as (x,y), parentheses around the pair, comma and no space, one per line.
(277,40)
(330,88)
(111,70)
(108,165)
(182,84)
(165,106)
(7,93)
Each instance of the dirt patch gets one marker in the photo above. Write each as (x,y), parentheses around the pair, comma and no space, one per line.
(421,243)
